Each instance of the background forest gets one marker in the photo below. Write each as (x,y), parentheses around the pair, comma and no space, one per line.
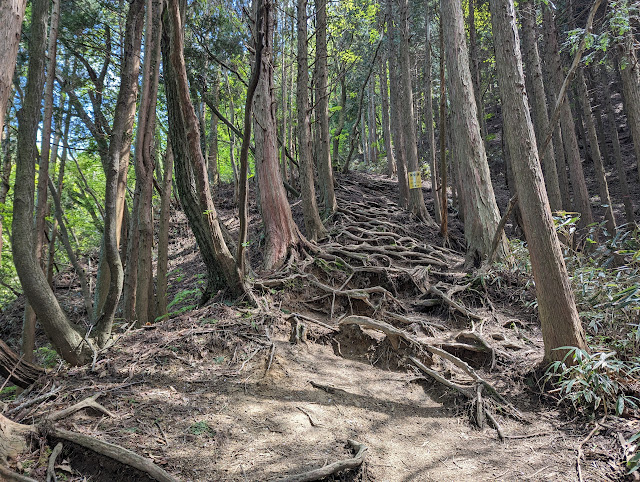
(245,224)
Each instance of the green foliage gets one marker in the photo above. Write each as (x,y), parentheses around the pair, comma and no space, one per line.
(9,393)
(48,356)
(593,381)
(184,295)
(606,282)
(202,428)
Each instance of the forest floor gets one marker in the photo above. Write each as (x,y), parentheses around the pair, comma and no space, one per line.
(230,392)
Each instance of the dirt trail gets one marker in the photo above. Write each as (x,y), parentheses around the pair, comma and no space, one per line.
(220,393)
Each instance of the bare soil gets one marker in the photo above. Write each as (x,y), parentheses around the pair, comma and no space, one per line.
(220,393)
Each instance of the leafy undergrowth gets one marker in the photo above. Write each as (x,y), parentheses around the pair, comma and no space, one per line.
(230,392)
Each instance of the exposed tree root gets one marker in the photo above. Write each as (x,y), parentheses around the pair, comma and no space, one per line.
(51,466)
(454,304)
(395,335)
(115,452)
(86,403)
(334,468)
(312,320)
(13,441)
(379,263)
(10,476)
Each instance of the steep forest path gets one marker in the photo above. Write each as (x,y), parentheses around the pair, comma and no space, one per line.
(227,392)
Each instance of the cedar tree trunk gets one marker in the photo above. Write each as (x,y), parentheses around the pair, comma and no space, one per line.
(556,306)
(281,232)
(481,215)
(65,337)
(191,171)
(313,224)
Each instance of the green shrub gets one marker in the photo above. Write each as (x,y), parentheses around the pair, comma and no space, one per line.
(48,356)
(593,381)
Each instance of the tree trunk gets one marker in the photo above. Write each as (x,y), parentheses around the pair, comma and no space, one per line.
(65,337)
(7,165)
(284,163)
(481,215)
(552,95)
(118,163)
(313,224)
(16,369)
(598,115)
(341,118)
(581,202)
(62,133)
(212,161)
(11,15)
(394,97)
(144,164)
(605,199)
(630,73)
(131,257)
(559,319)
(386,129)
(163,235)
(474,67)
(118,160)
(191,173)
(576,111)
(325,170)
(29,322)
(364,138)
(416,198)
(371,117)
(281,232)
(232,142)
(428,116)
(45,151)
(538,100)
(617,153)
(260,30)
(443,142)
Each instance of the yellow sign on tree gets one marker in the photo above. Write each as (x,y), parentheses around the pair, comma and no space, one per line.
(415,180)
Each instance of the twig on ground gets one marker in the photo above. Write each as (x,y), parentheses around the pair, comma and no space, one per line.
(164,436)
(34,401)
(580,453)
(250,357)
(527,435)
(495,424)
